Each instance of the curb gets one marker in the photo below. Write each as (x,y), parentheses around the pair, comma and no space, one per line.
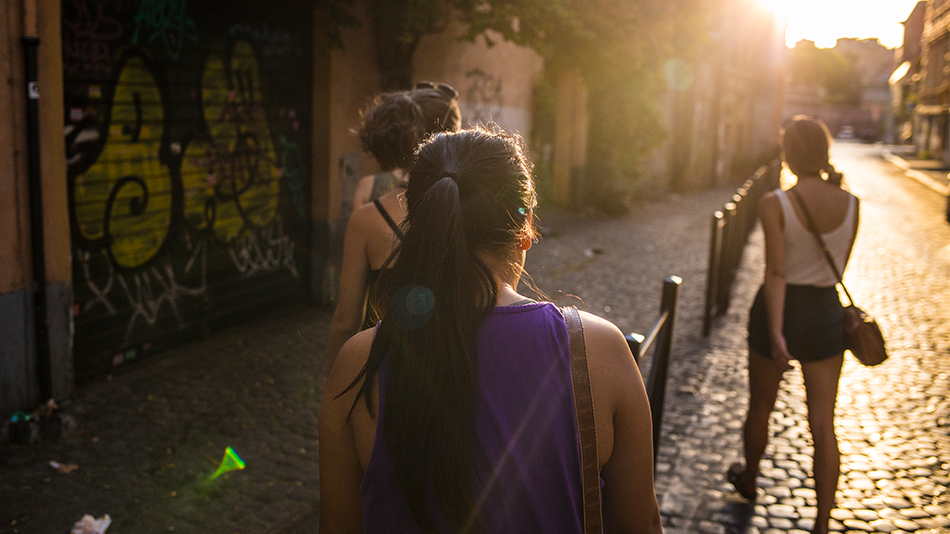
(921,177)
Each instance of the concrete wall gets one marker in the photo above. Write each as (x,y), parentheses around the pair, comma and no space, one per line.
(14,187)
(494,84)
(570,140)
(21,385)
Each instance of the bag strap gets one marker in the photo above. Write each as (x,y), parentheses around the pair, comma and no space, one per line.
(821,242)
(389,220)
(587,433)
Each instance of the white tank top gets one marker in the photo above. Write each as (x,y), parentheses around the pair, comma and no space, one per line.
(805,264)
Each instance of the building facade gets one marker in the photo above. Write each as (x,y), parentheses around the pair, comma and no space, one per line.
(905,80)
(931,114)
(724,101)
(168,172)
(864,113)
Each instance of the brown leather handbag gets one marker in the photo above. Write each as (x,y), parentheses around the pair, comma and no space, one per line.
(863,336)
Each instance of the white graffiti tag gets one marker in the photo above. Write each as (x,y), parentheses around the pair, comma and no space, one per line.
(264,250)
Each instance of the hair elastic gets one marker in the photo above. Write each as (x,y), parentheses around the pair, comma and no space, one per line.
(449,174)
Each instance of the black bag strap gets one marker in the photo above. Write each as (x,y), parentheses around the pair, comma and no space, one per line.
(389,220)
(821,242)
(587,432)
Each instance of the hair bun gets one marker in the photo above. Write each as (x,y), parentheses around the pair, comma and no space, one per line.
(834,176)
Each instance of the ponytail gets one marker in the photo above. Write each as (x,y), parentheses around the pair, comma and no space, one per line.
(834,176)
(430,339)
(468,194)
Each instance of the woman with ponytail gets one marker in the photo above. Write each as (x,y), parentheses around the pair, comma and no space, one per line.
(456,414)
(391,128)
(797,313)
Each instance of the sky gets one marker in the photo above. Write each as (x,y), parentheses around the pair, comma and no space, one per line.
(824,21)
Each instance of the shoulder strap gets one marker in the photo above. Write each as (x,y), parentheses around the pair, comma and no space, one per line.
(389,220)
(587,433)
(821,242)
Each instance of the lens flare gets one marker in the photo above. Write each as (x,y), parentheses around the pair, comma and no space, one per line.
(678,74)
(230,462)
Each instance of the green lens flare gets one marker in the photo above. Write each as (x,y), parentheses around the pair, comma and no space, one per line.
(230,462)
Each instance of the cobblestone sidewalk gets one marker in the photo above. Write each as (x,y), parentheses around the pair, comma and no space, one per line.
(149,438)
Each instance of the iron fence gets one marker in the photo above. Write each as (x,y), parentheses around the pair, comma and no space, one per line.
(657,369)
(730,231)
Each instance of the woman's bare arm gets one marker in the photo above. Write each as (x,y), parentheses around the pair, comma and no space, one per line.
(770,214)
(364,190)
(341,472)
(351,299)
(624,431)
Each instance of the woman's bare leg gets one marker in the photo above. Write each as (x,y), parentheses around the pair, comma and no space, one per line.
(821,391)
(764,380)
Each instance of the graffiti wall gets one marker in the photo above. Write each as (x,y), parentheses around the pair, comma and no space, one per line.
(188,185)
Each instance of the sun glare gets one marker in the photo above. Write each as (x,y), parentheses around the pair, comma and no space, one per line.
(825,21)
(776,6)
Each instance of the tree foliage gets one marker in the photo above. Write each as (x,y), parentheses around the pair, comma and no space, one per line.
(828,69)
(618,46)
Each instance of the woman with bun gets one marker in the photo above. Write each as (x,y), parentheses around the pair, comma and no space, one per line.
(797,314)
(391,128)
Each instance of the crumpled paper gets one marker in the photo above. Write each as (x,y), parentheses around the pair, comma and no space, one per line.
(63,468)
(91,525)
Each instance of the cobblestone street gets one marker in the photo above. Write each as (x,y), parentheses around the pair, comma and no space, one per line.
(148,438)
(893,421)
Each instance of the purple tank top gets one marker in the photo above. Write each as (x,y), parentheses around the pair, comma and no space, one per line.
(526,424)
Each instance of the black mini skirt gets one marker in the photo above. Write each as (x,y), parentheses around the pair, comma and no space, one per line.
(813,323)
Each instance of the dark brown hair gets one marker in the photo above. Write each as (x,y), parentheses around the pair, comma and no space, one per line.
(393,124)
(805,144)
(469,195)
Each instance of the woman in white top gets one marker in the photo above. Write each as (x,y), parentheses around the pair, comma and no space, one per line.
(797,313)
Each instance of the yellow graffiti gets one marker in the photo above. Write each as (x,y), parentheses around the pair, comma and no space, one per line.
(231,179)
(124,199)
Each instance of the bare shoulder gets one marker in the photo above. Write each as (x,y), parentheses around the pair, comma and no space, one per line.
(607,349)
(770,210)
(363,217)
(769,200)
(367,179)
(599,329)
(348,364)
(364,190)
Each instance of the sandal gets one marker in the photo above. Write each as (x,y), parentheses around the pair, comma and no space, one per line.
(734,476)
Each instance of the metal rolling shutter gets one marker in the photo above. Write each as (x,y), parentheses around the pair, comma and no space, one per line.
(186,127)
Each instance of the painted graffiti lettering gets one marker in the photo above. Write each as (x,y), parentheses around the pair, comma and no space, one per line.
(89,27)
(264,250)
(92,19)
(154,288)
(122,202)
(292,164)
(272,42)
(180,168)
(92,57)
(484,97)
(231,177)
(167,21)
(100,293)
(145,292)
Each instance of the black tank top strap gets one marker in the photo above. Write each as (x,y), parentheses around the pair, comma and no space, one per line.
(389,220)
